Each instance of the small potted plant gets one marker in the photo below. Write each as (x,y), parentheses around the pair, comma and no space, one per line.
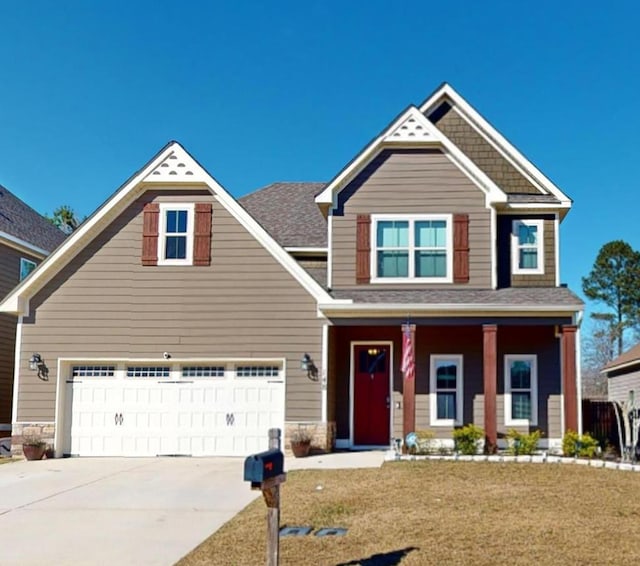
(33,447)
(301,442)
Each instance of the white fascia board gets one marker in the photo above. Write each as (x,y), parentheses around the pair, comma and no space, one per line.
(434,137)
(422,309)
(497,140)
(620,366)
(22,245)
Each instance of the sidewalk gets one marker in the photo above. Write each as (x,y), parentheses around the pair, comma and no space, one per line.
(337,460)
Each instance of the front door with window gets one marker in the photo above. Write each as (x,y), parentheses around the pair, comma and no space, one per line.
(371,395)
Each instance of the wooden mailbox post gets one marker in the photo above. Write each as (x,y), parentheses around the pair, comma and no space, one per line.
(265,471)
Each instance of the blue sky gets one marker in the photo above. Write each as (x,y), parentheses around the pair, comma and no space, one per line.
(272,91)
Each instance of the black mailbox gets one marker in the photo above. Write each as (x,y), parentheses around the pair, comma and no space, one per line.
(263,466)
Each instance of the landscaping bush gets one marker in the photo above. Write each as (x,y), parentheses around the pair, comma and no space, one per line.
(576,445)
(467,439)
(522,442)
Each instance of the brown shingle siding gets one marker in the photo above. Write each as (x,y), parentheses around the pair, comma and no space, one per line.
(483,154)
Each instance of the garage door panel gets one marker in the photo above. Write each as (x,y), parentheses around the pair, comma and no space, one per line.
(204,417)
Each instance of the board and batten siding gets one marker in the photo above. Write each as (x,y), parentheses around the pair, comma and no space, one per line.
(104,303)
(411,182)
(9,278)
(620,385)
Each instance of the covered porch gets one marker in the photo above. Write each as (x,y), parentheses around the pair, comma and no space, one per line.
(499,373)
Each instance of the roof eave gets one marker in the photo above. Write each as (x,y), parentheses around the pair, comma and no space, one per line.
(428,310)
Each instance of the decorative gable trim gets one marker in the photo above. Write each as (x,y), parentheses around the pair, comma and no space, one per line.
(397,134)
(493,137)
(415,128)
(17,301)
(177,166)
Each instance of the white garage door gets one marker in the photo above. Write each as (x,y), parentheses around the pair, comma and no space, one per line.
(134,410)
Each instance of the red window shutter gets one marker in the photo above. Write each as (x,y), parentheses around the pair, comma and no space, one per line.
(363,249)
(202,234)
(150,224)
(461,248)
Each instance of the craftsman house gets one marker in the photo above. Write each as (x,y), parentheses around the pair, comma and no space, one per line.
(418,289)
(26,238)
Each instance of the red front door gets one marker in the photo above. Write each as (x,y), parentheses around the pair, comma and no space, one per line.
(371,395)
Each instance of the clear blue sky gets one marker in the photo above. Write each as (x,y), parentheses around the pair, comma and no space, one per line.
(270,91)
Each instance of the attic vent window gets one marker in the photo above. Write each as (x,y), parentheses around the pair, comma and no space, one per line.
(176,234)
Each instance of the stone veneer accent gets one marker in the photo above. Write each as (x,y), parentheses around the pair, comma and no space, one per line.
(45,431)
(324,435)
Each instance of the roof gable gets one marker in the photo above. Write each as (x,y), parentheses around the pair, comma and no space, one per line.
(507,150)
(191,172)
(411,129)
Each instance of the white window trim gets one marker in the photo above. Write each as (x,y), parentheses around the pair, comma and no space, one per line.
(23,261)
(515,246)
(433,396)
(411,218)
(162,232)
(508,419)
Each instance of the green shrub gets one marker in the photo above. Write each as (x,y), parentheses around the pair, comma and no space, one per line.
(583,446)
(467,439)
(522,442)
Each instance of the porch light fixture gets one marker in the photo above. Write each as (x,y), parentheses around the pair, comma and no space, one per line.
(306,364)
(373,351)
(36,363)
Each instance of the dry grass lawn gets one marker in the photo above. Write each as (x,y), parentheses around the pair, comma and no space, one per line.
(417,513)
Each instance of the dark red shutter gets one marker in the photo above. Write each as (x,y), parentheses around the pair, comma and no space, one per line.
(461,248)
(363,249)
(202,234)
(150,223)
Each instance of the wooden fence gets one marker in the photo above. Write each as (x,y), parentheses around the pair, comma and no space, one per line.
(599,420)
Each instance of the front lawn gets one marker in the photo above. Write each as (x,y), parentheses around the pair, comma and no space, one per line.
(416,513)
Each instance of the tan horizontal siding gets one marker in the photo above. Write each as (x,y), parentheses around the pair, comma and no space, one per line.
(620,385)
(415,182)
(106,304)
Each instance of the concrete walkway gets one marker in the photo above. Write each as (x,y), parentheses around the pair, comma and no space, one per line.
(137,511)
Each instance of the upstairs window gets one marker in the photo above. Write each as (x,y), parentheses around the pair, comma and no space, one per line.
(526,247)
(412,248)
(26,267)
(175,242)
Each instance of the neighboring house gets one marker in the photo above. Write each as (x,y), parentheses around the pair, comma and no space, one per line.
(623,375)
(177,320)
(26,238)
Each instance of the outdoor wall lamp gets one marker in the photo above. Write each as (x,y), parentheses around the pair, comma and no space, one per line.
(36,363)
(306,364)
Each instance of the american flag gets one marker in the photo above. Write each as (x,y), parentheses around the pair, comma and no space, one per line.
(408,359)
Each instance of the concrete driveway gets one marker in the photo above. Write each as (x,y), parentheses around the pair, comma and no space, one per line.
(115,510)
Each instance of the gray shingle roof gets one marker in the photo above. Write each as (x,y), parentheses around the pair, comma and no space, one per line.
(626,358)
(21,221)
(289,213)
(517,296)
